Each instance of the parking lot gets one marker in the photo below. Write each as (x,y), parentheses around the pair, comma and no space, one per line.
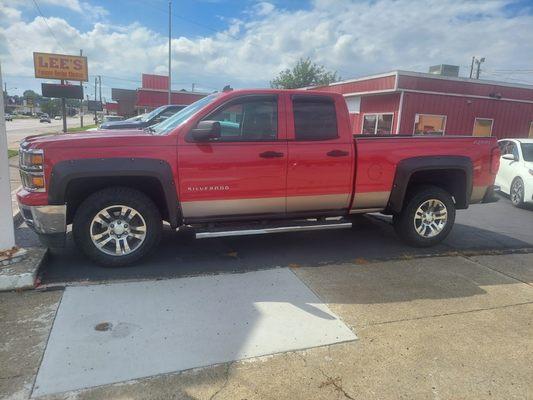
(452,321)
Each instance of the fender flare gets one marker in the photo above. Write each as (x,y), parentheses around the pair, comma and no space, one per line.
(407,167)
(65,172)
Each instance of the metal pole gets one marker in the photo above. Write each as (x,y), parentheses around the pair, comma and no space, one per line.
(81,101)
(7,233)
(64,110)
(169,52)
(472,67)
(95,83)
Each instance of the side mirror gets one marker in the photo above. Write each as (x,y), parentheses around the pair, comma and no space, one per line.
(509,157)
(206,131)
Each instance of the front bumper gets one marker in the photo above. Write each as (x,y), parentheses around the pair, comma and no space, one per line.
(49,222)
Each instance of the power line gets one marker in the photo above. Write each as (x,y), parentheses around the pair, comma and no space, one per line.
(46,22)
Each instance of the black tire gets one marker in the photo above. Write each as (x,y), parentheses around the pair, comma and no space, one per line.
(148,213)
(516,192)
(406,226)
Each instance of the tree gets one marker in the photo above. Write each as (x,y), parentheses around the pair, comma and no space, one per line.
(51,106)
(304,73)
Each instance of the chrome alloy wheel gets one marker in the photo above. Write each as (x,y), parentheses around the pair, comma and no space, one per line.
(430,218)
(517,191)
(118,230)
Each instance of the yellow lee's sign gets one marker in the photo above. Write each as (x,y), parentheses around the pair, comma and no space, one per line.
(60,66)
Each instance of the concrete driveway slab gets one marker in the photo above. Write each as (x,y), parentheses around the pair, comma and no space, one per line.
(25,322)
(518,266)
(382,292)
(476,355)
(111,333)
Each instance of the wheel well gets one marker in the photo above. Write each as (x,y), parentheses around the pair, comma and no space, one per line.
(451,180)
(80,188)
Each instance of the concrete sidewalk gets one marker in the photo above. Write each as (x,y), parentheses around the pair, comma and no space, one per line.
(441,327)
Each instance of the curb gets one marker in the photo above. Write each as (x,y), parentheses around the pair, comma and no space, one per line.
(21,272)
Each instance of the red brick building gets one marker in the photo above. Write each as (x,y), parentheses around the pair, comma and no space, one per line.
(154,93)
(422,103)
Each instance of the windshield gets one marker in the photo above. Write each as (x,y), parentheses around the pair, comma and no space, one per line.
(152,113)
(527,151)
(180,117)
(136,118)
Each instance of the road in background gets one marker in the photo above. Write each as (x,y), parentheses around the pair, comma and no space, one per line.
(18,129)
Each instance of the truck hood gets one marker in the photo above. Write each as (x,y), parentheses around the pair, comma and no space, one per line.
(102,138)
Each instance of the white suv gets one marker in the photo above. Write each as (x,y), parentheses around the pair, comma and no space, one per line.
(515,176)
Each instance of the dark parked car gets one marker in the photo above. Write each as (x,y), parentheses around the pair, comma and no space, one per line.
(45,118)
(9,117)
(154,117)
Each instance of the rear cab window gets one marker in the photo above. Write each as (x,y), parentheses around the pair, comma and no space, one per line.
(315,118)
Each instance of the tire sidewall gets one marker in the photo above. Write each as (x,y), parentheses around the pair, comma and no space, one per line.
(521,202)
(110,197)
(404,223)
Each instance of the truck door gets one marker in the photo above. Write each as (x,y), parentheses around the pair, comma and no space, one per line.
(321,154)
(244,171)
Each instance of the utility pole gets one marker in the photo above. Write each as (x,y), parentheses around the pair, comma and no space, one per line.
(193,87)
(478,63)
(169,52)
(7,233)
(472,66)
(64,110)
(81,101)
(100,87)
(95,84)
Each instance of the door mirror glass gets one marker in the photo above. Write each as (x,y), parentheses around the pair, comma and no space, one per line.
(509,157)
(206,131)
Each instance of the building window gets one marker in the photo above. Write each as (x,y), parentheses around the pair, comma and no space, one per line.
(482,127)
(427,124)
(315,118)
(377,124)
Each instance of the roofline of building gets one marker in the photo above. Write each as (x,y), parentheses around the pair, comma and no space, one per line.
(430,76)
(174,91)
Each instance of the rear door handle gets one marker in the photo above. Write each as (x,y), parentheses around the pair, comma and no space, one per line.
(270,154)
(338,153)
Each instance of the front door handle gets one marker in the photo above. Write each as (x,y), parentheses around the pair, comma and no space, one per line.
(338,153)
(270,154)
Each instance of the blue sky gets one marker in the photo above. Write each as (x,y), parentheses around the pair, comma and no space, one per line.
(246,43)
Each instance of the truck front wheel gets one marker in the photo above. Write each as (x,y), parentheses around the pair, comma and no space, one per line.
(117,226)
(426,218)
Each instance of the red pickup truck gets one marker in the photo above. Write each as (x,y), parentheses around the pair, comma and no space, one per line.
(246,162)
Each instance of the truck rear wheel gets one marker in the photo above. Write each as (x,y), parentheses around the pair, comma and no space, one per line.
(426,218)
(117,226)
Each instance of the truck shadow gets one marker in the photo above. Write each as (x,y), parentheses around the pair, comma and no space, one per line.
(179,255)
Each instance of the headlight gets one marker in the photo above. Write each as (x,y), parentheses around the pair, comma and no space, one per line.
(31,163)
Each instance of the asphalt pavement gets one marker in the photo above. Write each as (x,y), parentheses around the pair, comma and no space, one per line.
(483,229)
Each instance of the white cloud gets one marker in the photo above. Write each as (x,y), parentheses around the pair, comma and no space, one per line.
(354,38)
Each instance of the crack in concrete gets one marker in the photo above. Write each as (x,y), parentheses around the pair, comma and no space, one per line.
(451,313)
(226,381)
(335,382)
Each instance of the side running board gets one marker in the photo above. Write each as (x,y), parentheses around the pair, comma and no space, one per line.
(281,229)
